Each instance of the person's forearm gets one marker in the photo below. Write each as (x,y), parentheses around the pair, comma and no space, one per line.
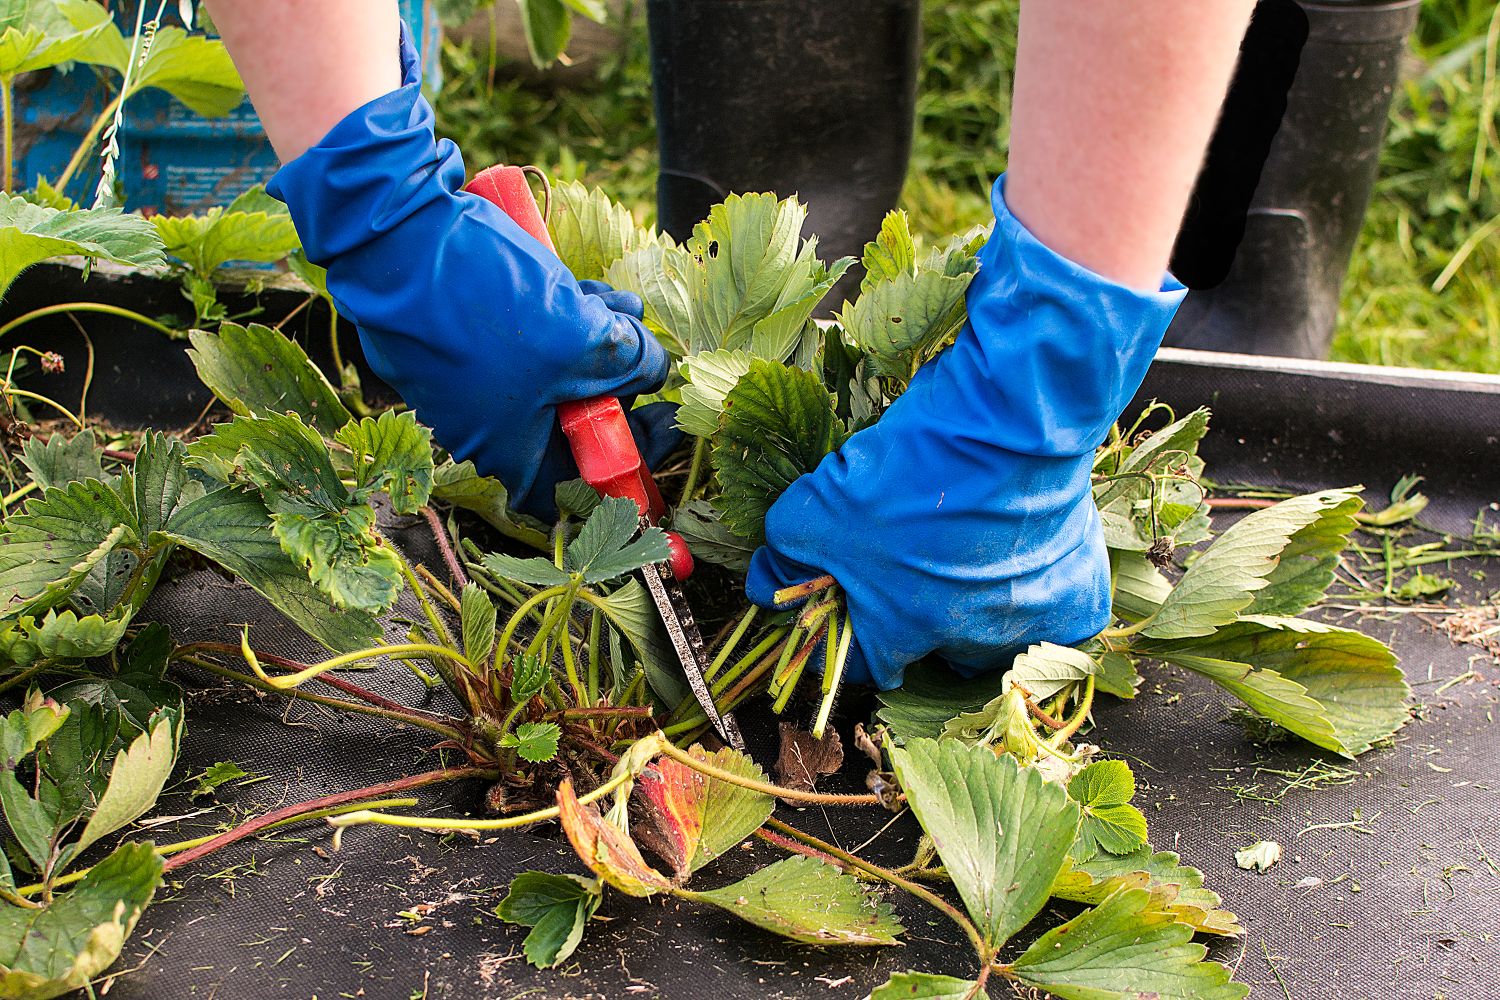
(308,63)
(1114,106)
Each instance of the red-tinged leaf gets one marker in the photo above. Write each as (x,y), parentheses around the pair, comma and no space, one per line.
(606,849)
(688,819)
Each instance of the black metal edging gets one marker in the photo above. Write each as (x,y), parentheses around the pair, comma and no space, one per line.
(1304,424)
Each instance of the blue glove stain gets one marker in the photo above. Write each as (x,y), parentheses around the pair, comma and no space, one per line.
(479,327)
(963,522)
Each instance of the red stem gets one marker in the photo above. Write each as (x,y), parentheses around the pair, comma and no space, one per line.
(122,456)
(254,826)
(788,844)
(608,712)
(440,535)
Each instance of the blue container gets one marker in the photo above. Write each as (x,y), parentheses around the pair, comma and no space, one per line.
(171,160)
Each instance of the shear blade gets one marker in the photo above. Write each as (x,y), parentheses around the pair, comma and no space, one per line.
(688,642)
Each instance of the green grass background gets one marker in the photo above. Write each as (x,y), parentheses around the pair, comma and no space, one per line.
(1422,289)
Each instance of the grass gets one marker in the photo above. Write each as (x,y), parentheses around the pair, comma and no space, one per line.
(1424,285)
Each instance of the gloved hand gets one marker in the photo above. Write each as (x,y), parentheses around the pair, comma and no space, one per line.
(479,327)
(962,522)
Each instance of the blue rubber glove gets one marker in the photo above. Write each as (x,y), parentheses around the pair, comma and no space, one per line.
(479,327)
(962,523)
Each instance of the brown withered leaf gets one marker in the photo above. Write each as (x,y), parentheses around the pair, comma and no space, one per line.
(803,759)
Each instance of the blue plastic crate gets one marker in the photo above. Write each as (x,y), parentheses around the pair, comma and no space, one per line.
(171,160)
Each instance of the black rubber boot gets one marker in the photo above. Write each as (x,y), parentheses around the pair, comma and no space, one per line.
(1265,256)
(814,98)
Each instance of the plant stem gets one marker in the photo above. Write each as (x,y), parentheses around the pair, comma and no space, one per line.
(700,448)
(668,749)
(503,645)
(886,875)
(440,535)
(338,683)
(8,111)
(287,681)
(730,643)
(86,144)
(833,671)
(506,823)
(441,591)
(438,628)
(167,850)
(1060,737)
(403,715)
(325,802)
(11,390)
(96,307)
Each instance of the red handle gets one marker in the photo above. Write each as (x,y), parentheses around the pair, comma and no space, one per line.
(596,429)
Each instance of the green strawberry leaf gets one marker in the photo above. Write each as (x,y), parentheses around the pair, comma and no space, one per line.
(476,615)
(58,460)
(534,741)
(257,371)
(60,948)
(1125,948)
(927,986)
(1002,832)
(1104,789)
(1224,580)
(590,231)
(1178,888)
(892,254)
(709,377)
(30,234)
(702,528)
(1334,687)
(528,676)
(251,228)
(136,779)
(557,908)
(606,547)
(807,900)
(233,528)
(40,34)
(930,697)
(393,453)
(459,484)
(778,423)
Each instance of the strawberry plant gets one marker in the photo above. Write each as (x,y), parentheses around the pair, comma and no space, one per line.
(571,705)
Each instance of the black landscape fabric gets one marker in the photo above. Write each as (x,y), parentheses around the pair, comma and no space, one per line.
(1389,887)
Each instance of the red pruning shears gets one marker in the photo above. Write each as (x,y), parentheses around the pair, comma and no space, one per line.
(609,461)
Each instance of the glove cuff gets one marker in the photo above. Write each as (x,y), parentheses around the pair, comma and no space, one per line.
(1063,349)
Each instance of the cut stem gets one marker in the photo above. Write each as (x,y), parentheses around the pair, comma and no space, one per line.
(668,749)
(505,823)
(95,307)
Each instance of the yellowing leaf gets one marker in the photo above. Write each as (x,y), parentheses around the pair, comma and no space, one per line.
(691,819)
(606,849)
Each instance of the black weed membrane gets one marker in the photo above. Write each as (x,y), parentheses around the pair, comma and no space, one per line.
(1389,879)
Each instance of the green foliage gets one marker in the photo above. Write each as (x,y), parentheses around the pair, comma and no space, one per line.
(549,25)
(60,460)
(535,742)
(30,234)
(1179,888)
(807,900)
(256,371)
(477,623)
(1225,579)
(459,484)
(556,908)
(220,773)
(1110,823)
(253,228)
(319,523)
(1002,832)
(39,34)
(778,424)
(746,280)
(927,986)
(1125,948)
(709,377)
(392,453)
(605,549)
(590,231)
(192,68)
(61,947)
